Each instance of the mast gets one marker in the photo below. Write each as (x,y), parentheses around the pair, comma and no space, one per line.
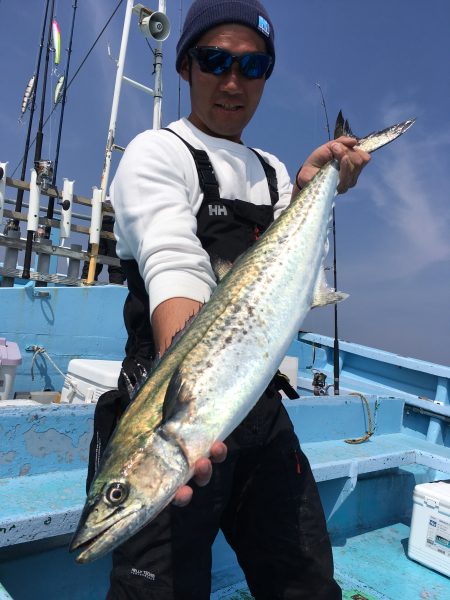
(154,25)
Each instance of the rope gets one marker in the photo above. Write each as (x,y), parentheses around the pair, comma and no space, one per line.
(41,350)
(369,433)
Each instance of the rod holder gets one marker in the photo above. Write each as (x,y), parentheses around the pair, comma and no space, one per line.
(34,202)
(66,210)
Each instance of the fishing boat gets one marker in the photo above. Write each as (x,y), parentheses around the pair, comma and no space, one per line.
(379,448)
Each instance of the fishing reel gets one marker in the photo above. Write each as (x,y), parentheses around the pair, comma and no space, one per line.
(153,24)
(44,173)
(318,383)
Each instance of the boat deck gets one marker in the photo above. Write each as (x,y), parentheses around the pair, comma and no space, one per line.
(364,569)
(366,491)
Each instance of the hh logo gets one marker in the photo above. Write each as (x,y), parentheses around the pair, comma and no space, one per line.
(217,210)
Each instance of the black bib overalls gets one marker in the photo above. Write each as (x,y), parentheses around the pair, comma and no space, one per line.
(263,497)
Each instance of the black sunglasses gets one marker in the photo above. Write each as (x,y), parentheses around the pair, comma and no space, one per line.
(217,61)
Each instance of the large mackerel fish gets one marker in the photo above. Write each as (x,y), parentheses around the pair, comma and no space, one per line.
(209,380)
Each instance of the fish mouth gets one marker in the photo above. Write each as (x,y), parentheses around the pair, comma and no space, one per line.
(95,541)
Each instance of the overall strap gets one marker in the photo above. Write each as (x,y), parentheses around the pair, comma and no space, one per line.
(271,176)
(207,179)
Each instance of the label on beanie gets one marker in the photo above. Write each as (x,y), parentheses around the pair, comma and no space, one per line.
(264,26)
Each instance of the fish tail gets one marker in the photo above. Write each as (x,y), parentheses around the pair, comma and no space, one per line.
(374,140)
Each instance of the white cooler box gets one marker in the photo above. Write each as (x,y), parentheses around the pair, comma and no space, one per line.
(87,380)
(429,541)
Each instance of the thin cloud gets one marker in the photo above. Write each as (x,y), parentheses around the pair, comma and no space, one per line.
(411,198)
(409,190)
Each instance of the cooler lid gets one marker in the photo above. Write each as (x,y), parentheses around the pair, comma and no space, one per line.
(434,494)
(101,372)
(9,353)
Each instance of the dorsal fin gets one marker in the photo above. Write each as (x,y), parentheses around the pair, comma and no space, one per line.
(342,127)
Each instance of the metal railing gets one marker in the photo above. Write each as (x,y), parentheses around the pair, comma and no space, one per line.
(43,248)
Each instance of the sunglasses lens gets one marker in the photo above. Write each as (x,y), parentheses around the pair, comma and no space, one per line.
(253,65)
(214,61)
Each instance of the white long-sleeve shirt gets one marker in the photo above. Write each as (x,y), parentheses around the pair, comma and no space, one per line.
(156,197)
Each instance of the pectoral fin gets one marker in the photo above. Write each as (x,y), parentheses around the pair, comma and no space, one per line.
(324,295)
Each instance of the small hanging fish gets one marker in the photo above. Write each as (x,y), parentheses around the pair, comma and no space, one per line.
(29,90)
(59,90)
(56,34)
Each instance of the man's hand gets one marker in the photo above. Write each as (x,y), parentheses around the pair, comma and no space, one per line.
(202,473)
(351,160)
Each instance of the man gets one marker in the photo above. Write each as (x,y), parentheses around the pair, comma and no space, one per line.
(180,196)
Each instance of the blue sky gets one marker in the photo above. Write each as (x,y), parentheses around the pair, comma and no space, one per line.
(380,61)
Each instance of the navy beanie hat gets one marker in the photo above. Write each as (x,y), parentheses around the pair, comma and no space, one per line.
(206,14)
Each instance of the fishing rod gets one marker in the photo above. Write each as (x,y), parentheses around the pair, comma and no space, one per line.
(38,147)
(19,197)
(40,132)
(336,338)
(51,201)
(74,76)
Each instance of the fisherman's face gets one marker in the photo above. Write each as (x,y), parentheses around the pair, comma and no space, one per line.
(222,105)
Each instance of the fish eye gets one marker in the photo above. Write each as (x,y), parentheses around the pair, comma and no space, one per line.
(116,493)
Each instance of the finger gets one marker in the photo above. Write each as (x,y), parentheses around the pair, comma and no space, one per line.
(202,472)
(347,175)
(349,142)
(183,496)
(351,165)
(218,452)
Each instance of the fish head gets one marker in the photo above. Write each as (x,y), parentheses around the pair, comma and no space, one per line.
(121,501)
(114,509)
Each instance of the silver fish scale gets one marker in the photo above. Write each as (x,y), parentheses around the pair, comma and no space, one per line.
(376,140)
(268,294)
